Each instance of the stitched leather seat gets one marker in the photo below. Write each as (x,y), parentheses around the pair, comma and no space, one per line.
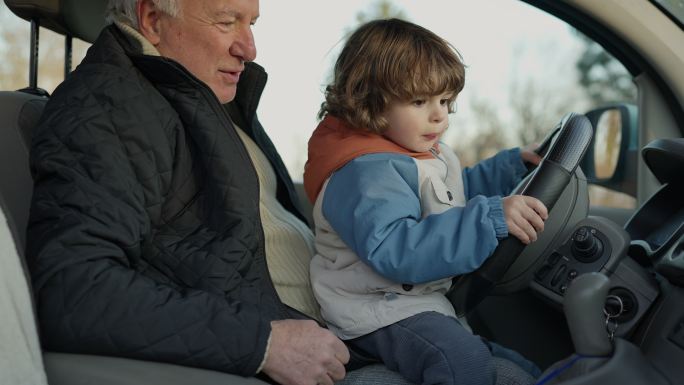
(19,112)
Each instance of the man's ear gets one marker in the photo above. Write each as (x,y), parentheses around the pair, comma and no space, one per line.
(149,21)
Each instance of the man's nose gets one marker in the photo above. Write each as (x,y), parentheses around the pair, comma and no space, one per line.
(243,46)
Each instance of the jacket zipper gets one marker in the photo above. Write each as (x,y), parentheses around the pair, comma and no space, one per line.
(221,112)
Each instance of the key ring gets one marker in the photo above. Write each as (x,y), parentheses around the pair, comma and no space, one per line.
(611,319)
(621,307)
(611,327)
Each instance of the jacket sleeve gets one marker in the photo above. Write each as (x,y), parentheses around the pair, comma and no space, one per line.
(84,237)
(373,204)
(497,175)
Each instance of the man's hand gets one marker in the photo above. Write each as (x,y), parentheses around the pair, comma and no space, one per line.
(303,353)
(525,217)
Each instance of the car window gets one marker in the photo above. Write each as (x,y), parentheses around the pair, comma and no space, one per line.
(673,8)
(15,47)
(525,69)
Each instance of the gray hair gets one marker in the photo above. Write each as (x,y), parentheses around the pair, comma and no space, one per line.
(125,10)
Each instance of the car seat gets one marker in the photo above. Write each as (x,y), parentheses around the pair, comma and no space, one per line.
(19,112)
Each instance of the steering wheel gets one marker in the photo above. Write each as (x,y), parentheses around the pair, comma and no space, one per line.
(562,151)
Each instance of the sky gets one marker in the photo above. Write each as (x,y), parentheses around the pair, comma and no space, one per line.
(501,41)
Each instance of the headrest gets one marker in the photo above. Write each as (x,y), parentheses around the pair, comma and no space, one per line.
(83,19)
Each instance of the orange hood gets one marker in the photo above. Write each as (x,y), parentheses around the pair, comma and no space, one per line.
(334,143)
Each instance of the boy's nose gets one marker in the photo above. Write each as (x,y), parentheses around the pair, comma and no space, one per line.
(438,114)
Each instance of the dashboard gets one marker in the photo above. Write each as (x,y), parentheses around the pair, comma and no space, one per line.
(653,237)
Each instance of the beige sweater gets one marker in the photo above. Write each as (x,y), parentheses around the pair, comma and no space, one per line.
(289,266)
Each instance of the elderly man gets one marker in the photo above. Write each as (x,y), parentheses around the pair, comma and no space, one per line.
(164,225)
(157,209)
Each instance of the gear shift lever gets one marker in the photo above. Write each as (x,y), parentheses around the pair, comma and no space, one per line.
(583,307)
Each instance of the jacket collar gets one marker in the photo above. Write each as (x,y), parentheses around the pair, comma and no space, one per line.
(137,39)
(249,89)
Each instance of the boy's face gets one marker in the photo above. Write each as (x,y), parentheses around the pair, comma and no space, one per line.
(418,124)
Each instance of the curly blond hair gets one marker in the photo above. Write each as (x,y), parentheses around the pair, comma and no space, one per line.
(386,61)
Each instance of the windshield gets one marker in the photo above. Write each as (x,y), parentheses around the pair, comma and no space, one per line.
(673,8)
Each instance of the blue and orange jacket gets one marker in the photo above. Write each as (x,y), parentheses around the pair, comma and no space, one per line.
(394,227)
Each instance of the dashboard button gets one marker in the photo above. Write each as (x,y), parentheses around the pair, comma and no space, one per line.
(586,247)
(542,272)
(560,273)
(553,258)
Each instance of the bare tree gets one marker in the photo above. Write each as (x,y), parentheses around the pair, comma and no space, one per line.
(605,79)
(538,108)
(14,51)
(490,136)
(534,109)
(382,9)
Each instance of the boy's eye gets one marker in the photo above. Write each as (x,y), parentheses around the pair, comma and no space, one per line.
(444,102)
(418,102)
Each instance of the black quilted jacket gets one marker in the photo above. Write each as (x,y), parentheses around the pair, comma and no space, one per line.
(145,239)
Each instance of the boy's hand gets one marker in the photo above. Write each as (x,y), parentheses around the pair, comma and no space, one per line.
(525,216)
(529,155)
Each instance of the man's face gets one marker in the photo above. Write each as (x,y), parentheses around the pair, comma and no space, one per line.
(212,39)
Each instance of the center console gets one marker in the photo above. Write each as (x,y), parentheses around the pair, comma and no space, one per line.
(598,245)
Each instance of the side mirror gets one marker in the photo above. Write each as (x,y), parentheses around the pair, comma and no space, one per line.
(611,160)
